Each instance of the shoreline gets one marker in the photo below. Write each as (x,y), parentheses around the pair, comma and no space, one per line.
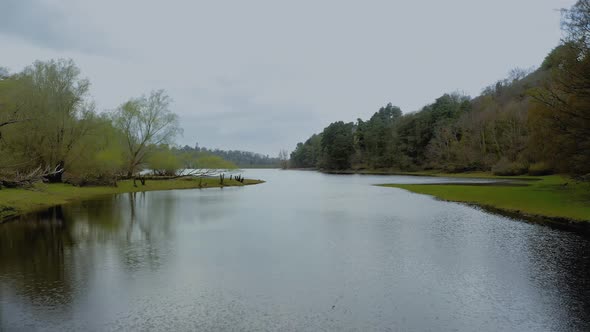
(551,200)
(566,224)
(435,173)
(19,202)
(568,199)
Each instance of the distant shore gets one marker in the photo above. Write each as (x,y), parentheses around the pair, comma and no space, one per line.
(15,202)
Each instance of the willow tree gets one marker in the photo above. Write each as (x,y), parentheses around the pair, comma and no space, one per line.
(145,122)
(47,105)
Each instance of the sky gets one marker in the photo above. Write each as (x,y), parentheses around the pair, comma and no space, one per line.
(262,75)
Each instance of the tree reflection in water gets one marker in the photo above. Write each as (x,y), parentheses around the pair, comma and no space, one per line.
(47,256)
(34,257)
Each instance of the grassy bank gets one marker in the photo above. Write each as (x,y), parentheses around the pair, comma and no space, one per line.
(14,202)
(479,175)
(553,197)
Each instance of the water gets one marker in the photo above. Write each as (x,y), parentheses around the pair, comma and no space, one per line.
(303,252)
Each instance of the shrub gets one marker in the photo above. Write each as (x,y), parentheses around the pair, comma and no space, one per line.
(164,162)
(506,167)
(540,168)
(85,180)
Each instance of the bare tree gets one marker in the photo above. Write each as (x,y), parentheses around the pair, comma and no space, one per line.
(146,121)
(284,158)
(575,22)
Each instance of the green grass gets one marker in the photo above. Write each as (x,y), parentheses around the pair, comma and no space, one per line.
(480,175)
(474,175)
(553,196)
(15,202)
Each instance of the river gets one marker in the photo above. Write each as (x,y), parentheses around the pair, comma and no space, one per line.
(304,251)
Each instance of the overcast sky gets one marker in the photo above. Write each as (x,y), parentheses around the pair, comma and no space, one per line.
(263,75)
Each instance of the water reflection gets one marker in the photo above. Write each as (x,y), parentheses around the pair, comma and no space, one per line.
(558,266)
(47,257)
(304,251)
(34,253)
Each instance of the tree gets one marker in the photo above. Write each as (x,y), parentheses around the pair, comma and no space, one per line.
(240,158)
(284,158)
(337,145)
(375,137)
(145,121)
(48,101)
(308,154)
(211,164)
(100,154)
(163,161)
(564,97)
(9,111)
(49,127)
(534,120)
(576,23)
(4,73)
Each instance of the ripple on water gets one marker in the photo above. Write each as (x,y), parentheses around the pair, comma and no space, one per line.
(303,251)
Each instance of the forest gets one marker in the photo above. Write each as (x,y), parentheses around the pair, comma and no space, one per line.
(535,121)
(51,131)
(242,159)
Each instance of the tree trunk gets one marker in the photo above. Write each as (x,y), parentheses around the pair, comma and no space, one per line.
(57,176)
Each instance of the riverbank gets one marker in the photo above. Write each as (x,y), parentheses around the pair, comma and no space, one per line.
(14,202)
(434,173)
(553,198)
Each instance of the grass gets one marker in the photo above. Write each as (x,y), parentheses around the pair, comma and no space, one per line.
(553,197)
(14,202)
(436,173)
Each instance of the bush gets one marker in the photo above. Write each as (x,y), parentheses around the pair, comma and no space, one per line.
(164,162)
(508,168)
(84,180)
(461,168)
(540,168)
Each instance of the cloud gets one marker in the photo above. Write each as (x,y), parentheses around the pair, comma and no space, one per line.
(49,25)
(237,120)
(263,75)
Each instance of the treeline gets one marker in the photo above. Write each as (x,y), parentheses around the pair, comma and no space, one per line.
(535,122)
(243,159)
(50,130)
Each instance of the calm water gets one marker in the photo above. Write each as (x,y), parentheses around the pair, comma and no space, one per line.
(303,252)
